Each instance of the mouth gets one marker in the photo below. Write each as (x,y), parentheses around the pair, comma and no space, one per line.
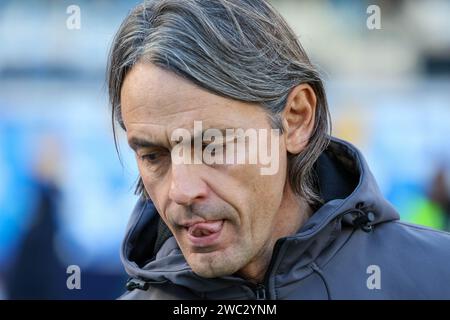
(205,233)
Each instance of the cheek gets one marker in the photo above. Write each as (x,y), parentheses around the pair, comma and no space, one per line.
(266,194)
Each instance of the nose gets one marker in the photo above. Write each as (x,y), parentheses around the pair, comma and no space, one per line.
(186,186)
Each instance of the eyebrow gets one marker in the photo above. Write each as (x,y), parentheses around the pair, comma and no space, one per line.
(137,143)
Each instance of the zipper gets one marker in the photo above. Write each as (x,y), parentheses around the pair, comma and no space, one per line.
(261,291)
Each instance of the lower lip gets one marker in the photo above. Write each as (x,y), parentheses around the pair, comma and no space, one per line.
(206,241)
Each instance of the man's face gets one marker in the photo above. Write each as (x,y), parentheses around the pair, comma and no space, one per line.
(222,215)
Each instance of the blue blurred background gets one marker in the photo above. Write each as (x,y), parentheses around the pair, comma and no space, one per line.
(64,195)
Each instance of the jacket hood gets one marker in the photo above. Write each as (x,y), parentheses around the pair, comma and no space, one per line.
(351,198)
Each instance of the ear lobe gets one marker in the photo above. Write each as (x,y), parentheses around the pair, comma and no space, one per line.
(299,117)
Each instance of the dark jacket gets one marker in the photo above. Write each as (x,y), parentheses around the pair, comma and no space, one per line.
(352,247)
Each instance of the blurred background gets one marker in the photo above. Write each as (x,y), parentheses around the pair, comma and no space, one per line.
(65,197)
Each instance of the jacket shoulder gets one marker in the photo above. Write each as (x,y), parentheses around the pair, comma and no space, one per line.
(430,232)
(421,240)
(412,262)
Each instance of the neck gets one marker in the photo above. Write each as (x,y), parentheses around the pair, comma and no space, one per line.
(292,214)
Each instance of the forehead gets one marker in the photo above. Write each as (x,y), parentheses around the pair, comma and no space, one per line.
(156,99)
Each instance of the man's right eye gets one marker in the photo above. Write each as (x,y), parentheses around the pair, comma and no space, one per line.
(152,158)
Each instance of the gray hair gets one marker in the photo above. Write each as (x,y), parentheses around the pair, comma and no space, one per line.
(240,49)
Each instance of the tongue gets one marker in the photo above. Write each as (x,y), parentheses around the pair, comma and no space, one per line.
(203,229)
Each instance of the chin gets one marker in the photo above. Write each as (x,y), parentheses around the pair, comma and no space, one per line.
(212,269)
(206,273)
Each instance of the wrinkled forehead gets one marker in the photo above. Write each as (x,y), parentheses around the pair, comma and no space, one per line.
(152,97)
